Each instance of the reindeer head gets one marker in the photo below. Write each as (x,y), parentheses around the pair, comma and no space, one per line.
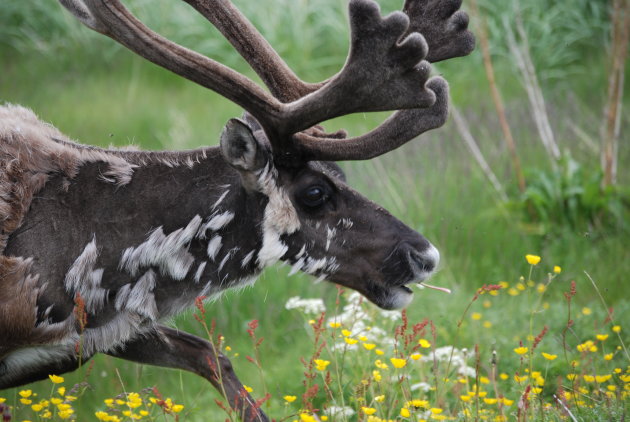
(310,217)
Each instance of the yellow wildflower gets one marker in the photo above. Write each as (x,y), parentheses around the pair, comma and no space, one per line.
(61,391)
(380,365)
(248,388)
(521,350)
(549,356)
(417,403)
(177,408)
(346,333)
(541,288)
(602,378)
(415,356)
(464,398)
(376,375)
(513,292)
(350,340)
(379,352)
(398,363)
(616,328)
(321,364)
(557,269)
(305,417)
(589,378)
(532,259)
(507,402)
(424,343)
(55,379)
(489,400)
(519,378)
(608,356)
(25,393)
(289,399)
(368,410)
(26,401)
(404,412)
(601,337)
(369,346)
(586,310)
(37,407)
(379,399)
(335,324)
(504,376)
(65,414)
(436,410)
(102,416)
(476,316)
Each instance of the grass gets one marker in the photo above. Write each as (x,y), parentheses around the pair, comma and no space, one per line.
(96,93)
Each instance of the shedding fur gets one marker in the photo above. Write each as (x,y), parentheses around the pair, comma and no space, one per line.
(139,298)
(169,253)
(84,279)
(214,245)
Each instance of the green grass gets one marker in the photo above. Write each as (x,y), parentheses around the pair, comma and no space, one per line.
(96,93)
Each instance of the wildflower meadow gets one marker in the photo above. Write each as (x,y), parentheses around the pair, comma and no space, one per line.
(557,362)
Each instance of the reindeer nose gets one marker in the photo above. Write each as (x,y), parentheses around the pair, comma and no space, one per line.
(424,261)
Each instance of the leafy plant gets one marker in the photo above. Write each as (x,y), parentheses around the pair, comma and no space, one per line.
(572,196)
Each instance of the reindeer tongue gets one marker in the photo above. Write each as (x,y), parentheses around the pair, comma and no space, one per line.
(428,286)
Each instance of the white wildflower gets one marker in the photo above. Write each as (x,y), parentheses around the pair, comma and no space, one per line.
(308,306)
(339,411)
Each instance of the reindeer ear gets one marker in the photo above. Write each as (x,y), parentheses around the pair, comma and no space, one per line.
(240,148)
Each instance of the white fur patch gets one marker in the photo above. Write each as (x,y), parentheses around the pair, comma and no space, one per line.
(247,259)
(330,233)
(217,222)
(346,223)
(139,298)
(221,198)
(280,218)
(214,245)
(199,271)
(83,279)
(227,257)
(168,253)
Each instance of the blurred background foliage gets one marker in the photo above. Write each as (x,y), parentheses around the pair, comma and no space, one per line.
(99,93)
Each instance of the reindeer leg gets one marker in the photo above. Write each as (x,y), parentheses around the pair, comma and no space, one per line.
(36,365)
(180,350)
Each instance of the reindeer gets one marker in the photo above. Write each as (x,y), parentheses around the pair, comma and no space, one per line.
(135,237)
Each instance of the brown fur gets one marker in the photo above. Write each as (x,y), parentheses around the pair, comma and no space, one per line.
(18,309)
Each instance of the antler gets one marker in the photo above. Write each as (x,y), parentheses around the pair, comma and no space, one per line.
(384,71)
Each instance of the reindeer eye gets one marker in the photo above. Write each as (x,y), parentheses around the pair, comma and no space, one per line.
(314,196)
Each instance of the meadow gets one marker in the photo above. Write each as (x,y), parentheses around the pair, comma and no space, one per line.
(517,339)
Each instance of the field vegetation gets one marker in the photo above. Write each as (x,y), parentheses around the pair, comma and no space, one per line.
(518,338)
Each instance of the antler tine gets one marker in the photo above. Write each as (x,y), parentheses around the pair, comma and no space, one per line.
(443,26)
(254,48)
(398,129)
(111,18)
